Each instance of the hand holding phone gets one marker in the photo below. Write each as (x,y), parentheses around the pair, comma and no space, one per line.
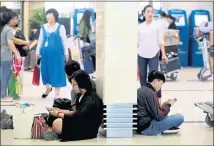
(171,101)
(175,99)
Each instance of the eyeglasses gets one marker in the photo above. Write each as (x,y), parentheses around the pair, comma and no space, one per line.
(74,85)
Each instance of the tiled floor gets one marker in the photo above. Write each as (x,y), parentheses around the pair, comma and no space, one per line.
(187,89)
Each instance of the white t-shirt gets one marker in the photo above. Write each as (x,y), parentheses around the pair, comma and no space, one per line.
(150,36)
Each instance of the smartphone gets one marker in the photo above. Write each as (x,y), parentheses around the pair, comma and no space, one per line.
(49,109)
(175,99)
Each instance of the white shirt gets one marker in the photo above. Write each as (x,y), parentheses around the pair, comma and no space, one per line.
(51,29)
(150,37)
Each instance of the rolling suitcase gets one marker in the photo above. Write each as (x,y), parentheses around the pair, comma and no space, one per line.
(85,56)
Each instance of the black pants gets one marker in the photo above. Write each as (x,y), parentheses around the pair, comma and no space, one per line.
(143,64)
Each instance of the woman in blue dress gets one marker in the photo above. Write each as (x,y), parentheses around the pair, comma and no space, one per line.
(53,52)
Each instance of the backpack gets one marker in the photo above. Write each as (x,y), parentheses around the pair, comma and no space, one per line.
(6,120)
(39,127)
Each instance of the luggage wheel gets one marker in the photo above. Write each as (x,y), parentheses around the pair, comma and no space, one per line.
(208,120)
(172,76)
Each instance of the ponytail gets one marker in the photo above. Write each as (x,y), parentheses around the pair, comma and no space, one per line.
(144,10)
(144,19)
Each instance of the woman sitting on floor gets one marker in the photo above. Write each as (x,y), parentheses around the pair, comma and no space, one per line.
(85,121)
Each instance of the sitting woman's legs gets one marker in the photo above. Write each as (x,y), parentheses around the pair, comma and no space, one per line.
(157,127)
(57,126)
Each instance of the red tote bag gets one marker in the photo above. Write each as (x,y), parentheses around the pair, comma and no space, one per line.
(36,74)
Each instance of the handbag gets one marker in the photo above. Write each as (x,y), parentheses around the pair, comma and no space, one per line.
(23,120)
(6,120)
(16,66)
(39,127)
(12,91)
(23,49)
(36,74)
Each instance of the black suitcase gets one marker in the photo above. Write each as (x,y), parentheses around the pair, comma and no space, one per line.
(173,65)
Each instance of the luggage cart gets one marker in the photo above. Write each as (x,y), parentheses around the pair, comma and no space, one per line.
(207,107)
(204,46)
(85,53)
(172,68)
(201,35)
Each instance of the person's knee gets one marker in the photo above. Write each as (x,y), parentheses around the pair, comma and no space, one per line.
(57,125)
(180,118)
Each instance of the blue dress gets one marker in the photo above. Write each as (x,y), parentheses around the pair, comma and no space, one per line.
(52,59)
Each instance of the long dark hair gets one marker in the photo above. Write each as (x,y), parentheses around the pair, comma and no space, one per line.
(86,18)
(144,10)
(83,80)
(5,16)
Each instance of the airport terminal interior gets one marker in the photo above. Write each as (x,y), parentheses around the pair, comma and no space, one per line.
(116,69)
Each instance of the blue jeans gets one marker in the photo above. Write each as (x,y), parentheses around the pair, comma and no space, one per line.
(143,64)
(157,127)
(5,76)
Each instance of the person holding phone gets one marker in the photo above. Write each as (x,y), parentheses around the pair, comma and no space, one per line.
(84,122)
(150,43)
(153,118)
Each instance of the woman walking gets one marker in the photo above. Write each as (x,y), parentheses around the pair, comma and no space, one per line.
(53,52)
(150,44)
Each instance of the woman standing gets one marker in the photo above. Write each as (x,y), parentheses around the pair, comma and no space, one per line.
(30,59)
(7,47)
(150,44)
(53,52)
(86,28)
(22,46)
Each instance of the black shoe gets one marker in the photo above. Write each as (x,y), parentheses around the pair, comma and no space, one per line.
(45,95)
(172,130)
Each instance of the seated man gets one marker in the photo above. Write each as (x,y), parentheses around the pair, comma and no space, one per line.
(152,118)
(70,68)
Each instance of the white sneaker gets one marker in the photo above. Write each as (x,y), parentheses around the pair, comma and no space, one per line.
(172,130)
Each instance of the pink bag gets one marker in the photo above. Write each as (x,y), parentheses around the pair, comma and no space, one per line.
(36,74)
(16,66)
(39,127)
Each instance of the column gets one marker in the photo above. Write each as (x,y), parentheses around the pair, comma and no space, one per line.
(26,19)
(116,73)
